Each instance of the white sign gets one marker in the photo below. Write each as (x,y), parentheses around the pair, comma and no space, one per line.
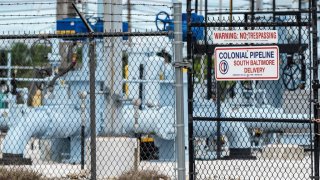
(245,36)
(246,63)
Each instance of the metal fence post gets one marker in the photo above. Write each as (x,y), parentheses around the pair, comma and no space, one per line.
(177,6)
(92,110)
(315,87)
(92,80)
(190,94)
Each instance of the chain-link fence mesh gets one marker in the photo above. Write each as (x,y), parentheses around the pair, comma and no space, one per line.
(45,105)
(252,129)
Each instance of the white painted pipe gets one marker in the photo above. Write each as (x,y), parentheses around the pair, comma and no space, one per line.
(45,122)
(158,121)
(63,122)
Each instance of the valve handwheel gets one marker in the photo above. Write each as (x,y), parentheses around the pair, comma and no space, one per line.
(247,85)
(291,76)
(164,18)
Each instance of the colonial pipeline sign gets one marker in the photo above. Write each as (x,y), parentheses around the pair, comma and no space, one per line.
(246,63)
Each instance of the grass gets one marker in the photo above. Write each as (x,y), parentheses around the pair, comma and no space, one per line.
(143,175)
(18,174)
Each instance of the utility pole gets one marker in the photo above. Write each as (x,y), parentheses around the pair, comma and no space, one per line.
(113,74)
(64,10)
(129,20)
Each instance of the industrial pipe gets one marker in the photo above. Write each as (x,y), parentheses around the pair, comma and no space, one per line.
(50,123)
(158,121)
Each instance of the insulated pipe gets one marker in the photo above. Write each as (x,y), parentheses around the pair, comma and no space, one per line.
(159,121)
(14,109)
(237,132)
(50,123)
(19,135)
(152,89)
(272,113)
(113,77)
(53,123)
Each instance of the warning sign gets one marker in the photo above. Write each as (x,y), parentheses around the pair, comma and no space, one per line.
(245,36)
(247,63)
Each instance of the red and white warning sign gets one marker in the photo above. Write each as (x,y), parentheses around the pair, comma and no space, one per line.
(245,36)
(246,63)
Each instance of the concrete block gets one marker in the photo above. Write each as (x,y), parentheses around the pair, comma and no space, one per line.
(283,151)
(115,155)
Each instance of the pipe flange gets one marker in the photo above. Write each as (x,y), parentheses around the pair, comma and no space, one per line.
(117,100)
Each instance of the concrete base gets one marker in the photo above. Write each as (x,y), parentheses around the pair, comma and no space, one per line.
(32,150)
(115,155)
(283,151)
(31,153)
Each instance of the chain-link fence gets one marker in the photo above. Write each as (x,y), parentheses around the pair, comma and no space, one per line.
(244,125)
(77,105)
(46,123)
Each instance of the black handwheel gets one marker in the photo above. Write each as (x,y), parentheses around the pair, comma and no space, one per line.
(247,85)
(291,76)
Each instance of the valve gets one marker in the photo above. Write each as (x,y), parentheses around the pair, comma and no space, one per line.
(166,20)
(291,77)
(168,25)
(291,74)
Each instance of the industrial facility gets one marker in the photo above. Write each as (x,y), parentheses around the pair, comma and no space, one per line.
(216,90)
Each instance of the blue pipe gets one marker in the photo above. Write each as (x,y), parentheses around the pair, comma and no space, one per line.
(43,122)
(159,121)
(237,132)
(63,121)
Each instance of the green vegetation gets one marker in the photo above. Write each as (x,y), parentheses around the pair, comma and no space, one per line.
(22,55)
(39,54)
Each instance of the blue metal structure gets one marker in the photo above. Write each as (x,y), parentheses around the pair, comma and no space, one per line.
(76,26)
(165,23)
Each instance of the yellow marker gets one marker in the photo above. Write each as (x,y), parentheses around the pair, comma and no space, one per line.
(62,82)
(161,76)
(126,75)
(36,100)
(185,70)
(147,139)
(66,32)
